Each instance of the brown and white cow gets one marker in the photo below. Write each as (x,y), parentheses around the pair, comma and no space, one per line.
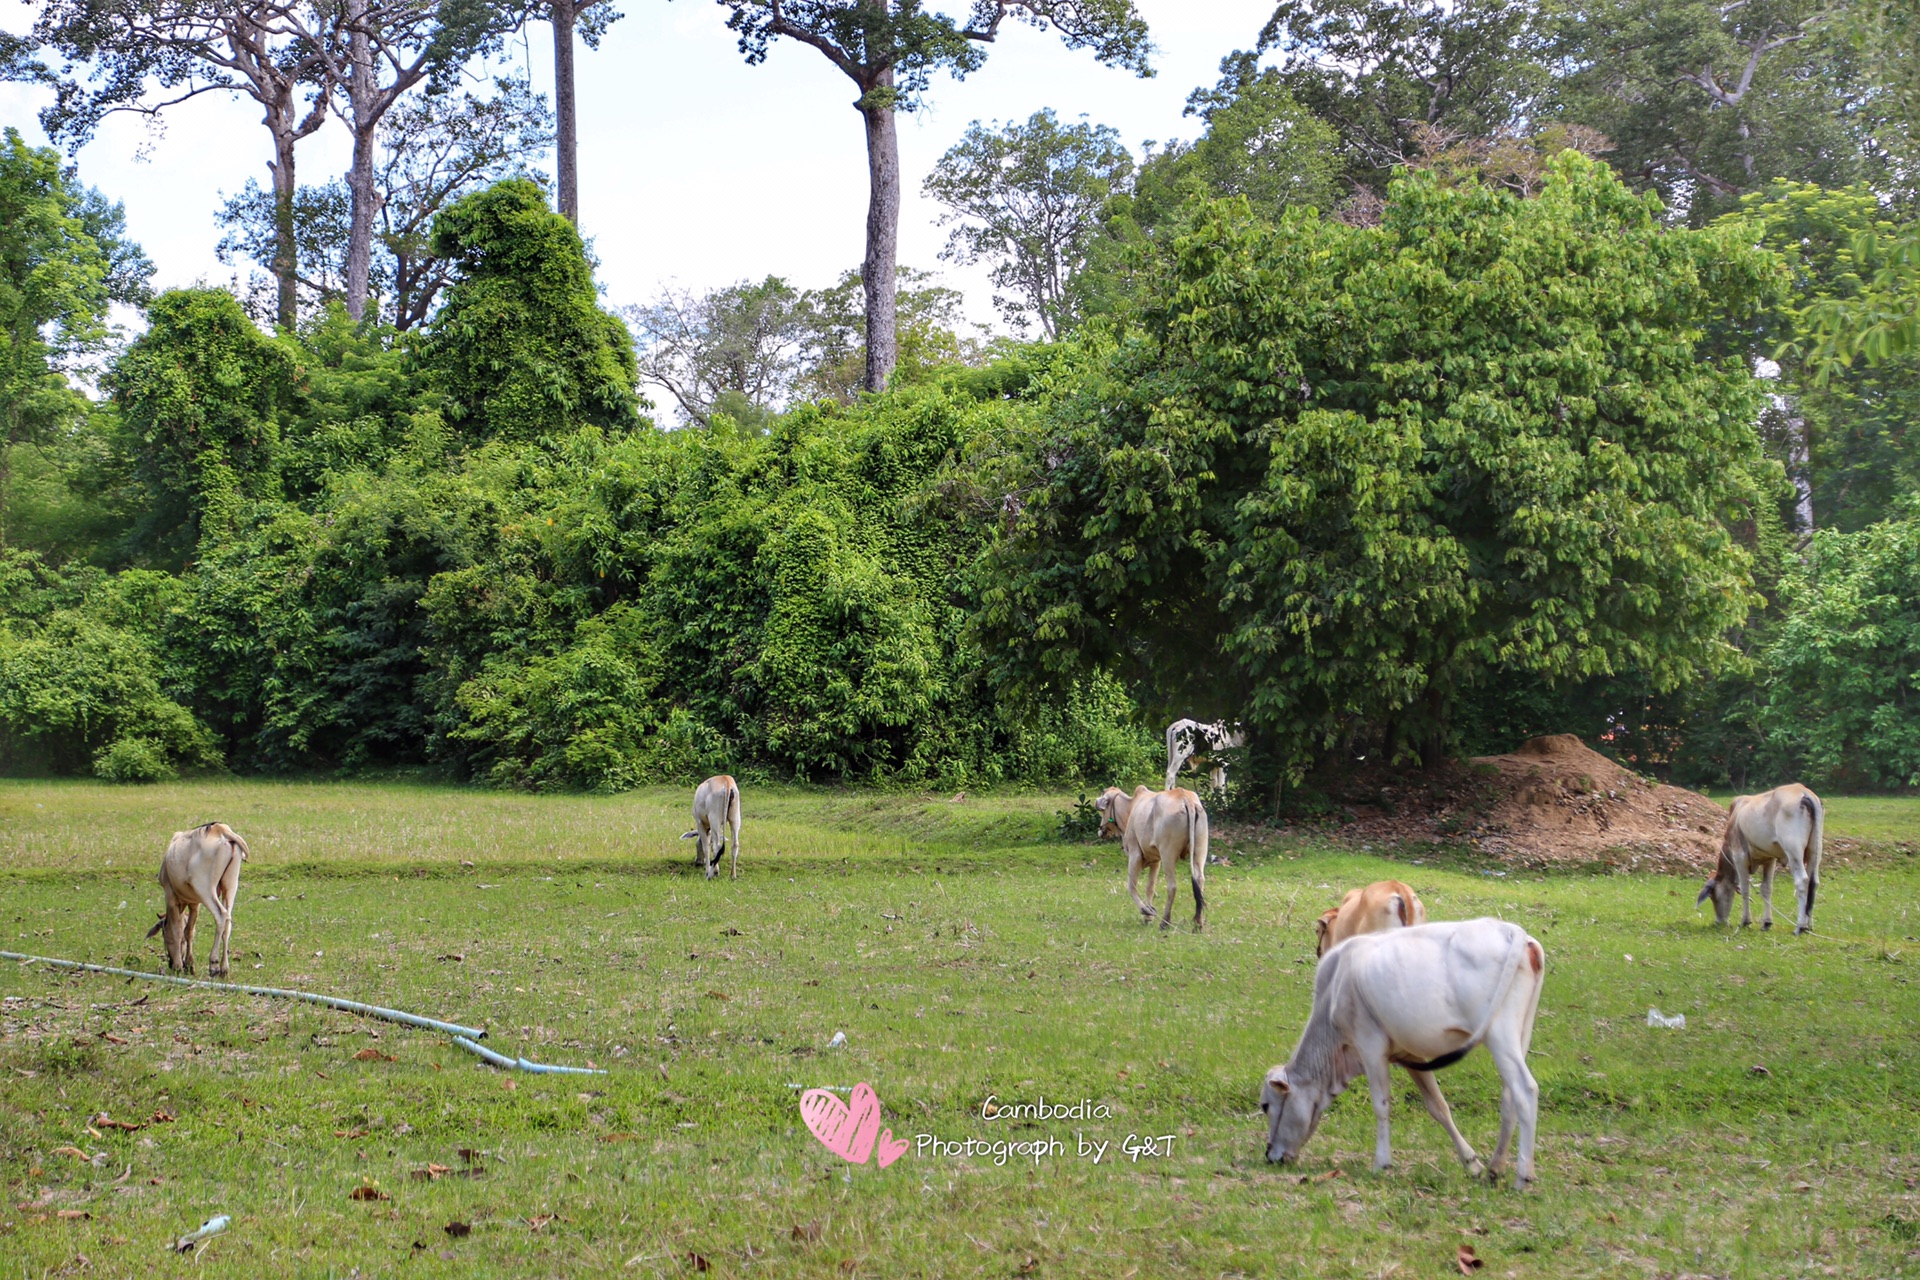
(1382,905)
(1786,823)
(716,816)
(1164,828)
(1420,998)
(201,868)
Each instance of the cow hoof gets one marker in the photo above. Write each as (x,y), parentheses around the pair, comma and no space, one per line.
(1476,1168)
(1805,928)
(1767,925)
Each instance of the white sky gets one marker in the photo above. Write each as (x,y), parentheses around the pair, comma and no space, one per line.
(694,166)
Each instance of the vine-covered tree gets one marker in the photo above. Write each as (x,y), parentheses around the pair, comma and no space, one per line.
(521,345)
(891,49)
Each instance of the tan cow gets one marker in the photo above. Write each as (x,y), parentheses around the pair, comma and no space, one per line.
(716,815)
(1114,805)
(1165,827)
(201,869)
(1382,905)
(1784,823)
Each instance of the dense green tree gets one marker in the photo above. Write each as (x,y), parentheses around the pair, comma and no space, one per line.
(203,398)
(64,259)
(1332,479)
(929,335)
(1842,694)
(891,49)
(1026,199)
(521,346)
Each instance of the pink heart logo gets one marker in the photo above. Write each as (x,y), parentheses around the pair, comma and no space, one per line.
(891,1148)
(849,1129)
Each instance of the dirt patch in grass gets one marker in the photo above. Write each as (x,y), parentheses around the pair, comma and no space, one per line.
(1555,802)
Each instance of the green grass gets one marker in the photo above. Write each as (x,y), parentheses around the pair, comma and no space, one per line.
(963,953)
(1875,820)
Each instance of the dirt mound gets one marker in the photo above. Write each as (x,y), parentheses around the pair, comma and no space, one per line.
(1555,801)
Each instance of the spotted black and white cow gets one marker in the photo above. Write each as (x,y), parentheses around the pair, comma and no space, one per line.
(1191,742)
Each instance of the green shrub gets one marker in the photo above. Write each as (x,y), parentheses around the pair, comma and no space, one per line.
(133,760)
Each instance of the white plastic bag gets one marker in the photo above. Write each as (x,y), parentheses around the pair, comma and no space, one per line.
(1657,1019)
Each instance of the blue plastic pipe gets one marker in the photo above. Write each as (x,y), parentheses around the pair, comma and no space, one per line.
(332,1002)
(521,1064)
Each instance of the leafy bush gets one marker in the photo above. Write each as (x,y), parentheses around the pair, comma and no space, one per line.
(1842,676)
(133,760)
(74,687)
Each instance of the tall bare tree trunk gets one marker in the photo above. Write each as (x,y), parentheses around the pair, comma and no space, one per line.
(285,262)
(566,137)
(880,270)
(361,92)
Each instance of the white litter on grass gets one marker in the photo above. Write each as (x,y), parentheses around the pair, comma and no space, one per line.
(212,1226)
(838,1041)
(1657,1019)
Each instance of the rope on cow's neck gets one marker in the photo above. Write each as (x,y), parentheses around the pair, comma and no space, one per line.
(462,1036)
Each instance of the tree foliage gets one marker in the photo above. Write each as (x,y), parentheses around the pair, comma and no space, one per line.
(1842,703)
(1332,479)
(1026,199)
(521,346)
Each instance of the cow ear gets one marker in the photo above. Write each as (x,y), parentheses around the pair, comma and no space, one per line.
(1277,1080)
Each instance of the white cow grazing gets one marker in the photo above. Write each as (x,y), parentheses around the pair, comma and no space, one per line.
(1163,828)
(1114,805)
(716,814)
(201,868)
(1190,739)
(1419,998)
(1786,822)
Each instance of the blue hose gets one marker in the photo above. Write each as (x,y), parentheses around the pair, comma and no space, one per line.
(521,1064)
(332,1002)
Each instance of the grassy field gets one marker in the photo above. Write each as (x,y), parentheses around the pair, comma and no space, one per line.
(964,952)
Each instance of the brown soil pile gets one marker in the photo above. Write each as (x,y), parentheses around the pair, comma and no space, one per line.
(1555,801)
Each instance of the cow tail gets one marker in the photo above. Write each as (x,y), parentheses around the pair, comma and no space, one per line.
(1815,839)
(1400,909)
(1196,859)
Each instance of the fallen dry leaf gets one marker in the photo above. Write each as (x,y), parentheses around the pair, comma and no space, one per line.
(1759,1069)
(104,1121)
(468,1154)
(75,1152)
(716,995)
(374,1055)
(351,1134)
(163,1117)
(540,1220)
(431,1173)
(807,1232)
(72,1215)
(1328,1176)
(509,1085)
(454,956)
(368,1190)
(458,1230)
(697,1262)
(847,1265)
(111,1038)
(1027,1268)
(1803,1186)
(619,1137)
(1465,1259)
